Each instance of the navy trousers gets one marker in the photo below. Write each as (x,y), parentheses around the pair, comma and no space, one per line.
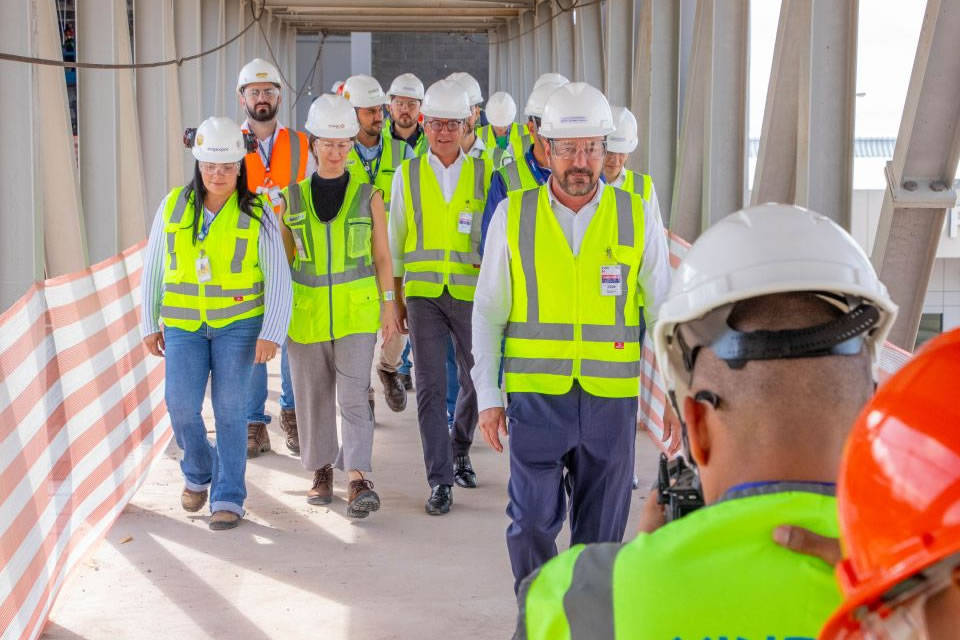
(578,447)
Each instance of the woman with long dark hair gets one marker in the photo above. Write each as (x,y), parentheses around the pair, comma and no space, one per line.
(215,276)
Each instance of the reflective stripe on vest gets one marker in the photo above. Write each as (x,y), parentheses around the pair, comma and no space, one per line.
(721,557)
(517,175)
(542,356)
(234,292)
(459,268)
(335,290)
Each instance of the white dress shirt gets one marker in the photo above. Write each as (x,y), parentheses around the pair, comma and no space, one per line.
(266,150)
(493,299)
(397,227)
(478,148)
(651,207)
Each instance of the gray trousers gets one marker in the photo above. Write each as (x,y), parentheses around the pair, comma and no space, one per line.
(431,320)
(324,372)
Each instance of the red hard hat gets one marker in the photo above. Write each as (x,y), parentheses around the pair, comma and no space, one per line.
(898,491)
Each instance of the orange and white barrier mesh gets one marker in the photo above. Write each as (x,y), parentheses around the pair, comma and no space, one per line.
(653,396)
(82,419)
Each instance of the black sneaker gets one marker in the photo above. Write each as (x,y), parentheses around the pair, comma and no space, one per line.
(463,473)
(393,391)
(407,381)
(441,497)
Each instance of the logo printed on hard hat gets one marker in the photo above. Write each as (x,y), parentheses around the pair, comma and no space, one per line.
(346,94)
(199,139)
(573,119)
(262,74)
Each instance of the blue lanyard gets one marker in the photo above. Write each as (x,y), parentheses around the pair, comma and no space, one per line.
(269,153)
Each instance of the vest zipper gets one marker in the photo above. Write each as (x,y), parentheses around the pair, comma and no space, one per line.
(330,276)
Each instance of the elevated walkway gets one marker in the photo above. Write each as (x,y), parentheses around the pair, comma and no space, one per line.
(292,570)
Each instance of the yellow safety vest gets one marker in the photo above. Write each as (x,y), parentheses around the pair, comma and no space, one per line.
(234,290)
(392,155)
(443,238)
(638,183)
(715,573)
(574,317)
(519,139)
(419,149)
(335,290)
(517,175)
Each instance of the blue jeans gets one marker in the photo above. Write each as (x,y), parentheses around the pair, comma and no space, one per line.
(226,356)
(257,397)
(405,363)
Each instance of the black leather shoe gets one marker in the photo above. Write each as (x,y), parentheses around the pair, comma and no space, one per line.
(406,380)
(393,391)
(441,497)
(463,473)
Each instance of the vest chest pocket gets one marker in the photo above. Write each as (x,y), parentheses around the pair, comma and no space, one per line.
(300,244)
(358,238)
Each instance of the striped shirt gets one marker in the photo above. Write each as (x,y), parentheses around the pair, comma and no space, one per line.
(278,292)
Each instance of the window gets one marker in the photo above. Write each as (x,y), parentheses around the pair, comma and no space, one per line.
(931,325)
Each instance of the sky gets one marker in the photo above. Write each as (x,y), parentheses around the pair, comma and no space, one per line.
(888,31)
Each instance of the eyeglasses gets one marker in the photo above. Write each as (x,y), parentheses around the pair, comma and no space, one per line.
(227,169)
(440,125)
(565,149)
(327,146)
(405,105)
(269,94)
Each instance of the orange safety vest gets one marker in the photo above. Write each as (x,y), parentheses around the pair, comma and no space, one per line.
(288,162)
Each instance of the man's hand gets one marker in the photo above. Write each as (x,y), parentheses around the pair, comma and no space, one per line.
(155,344)
(492,422)
(672,430)
(652,516)
(266,351)
(808,543)
(388,321)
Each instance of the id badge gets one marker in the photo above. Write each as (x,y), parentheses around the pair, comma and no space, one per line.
(465,222)
(611,280)
(298,242)
(203,268)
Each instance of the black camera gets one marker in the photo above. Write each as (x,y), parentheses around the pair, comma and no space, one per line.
(678,488)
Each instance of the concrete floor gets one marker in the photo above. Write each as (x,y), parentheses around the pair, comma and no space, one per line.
(291,570)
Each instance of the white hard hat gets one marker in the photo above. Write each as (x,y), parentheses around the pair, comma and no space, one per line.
(364,91)
(624,139)
(446,99)
(763,250)
(332,116)
(219,140)
(337,87)
(576,110)
(553,78)
(538,98)
(257,70)
(469,84)
(501,109)
(406,85)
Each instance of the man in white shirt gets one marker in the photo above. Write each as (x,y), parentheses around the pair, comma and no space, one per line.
(620,144)
(435,214)
(569,271)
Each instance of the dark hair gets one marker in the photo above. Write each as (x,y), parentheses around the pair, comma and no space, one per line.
(246,199)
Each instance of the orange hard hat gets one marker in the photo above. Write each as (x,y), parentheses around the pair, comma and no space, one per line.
(898,492)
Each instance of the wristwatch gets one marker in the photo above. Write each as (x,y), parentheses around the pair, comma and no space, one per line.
(388,296)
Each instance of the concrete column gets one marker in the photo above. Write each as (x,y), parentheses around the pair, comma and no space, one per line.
(564,43)
(806,143)
(361,52)
(235,20)
(503,60)
(213,66)
(655,97)
(619,47)
(711,157)
(111,175)
(528,55)
(514,66)
(543,16)
(920,176)
(187,39)
(590,44)
(21,217)
(158,101)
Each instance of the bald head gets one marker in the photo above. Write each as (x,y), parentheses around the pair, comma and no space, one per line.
(790,416)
